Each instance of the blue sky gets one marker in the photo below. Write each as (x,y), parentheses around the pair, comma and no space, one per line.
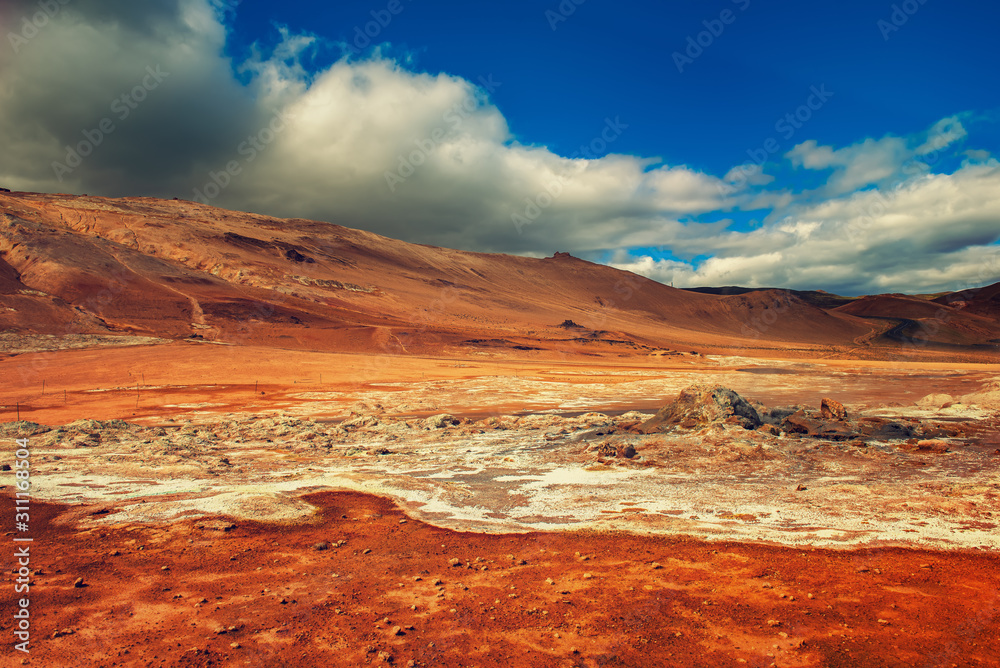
(876,126)
(615,59)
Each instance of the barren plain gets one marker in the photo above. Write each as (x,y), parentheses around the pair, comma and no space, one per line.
(241,457)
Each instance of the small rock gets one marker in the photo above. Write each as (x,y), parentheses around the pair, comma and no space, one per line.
(884,622)
(773,622)
(79,583)
(322,545)
(656,566)
(235,645)
(397,631)
(366,551)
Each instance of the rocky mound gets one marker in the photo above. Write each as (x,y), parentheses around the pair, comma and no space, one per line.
(699,405)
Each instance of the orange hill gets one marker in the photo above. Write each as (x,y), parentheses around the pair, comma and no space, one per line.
(177,269)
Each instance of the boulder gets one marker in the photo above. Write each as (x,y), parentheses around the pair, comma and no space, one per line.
(700,405)
(801,423)
(831,409)
(880,429)
(440,421)
(935,400)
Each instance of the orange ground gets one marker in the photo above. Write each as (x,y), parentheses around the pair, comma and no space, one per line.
(144,381)
(194,594)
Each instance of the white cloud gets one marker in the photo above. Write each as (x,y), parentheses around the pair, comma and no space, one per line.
(428,157)
(932,231)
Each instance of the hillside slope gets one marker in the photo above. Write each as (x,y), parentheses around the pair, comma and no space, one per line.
(177,269)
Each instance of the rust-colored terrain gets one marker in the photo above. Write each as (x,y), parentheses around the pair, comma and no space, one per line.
(266,442)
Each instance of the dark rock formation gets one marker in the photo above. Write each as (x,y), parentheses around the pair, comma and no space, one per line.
(700,405)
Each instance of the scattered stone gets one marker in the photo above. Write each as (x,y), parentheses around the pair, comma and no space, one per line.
(773,622)
(79,583)
(322,545)
(398,631)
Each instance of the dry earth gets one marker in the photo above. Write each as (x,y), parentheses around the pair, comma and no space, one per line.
(198,520)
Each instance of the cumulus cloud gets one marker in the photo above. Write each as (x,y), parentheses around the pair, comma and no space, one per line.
(121,98)
(366,143)
(930,231)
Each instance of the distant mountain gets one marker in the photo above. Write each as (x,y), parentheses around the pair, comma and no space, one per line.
(181,270)
(818,298)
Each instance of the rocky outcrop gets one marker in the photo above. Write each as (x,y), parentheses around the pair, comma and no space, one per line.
(831,409)
(700,405)
(813,426)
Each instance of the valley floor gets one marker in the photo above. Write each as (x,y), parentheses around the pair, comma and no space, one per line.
(253,506)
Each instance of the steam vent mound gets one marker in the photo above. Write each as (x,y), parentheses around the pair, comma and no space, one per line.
(699,405)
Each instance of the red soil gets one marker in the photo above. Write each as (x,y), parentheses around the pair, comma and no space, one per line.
(194,594)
